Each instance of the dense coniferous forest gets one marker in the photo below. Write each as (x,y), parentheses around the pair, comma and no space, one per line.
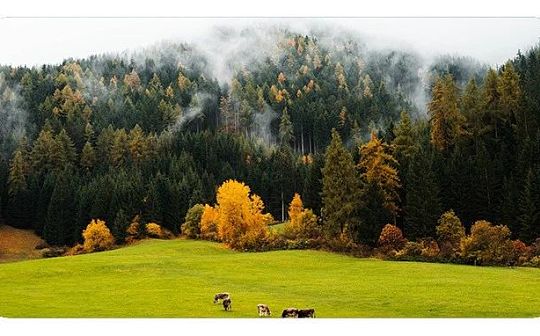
(366,137)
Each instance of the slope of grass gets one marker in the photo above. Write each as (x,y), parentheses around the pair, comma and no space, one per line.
(17,244)
(179,278)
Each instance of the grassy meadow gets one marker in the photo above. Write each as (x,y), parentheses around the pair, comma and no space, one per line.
(178,278)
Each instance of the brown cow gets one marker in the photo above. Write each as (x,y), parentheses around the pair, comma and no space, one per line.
(302,313)
(290,312)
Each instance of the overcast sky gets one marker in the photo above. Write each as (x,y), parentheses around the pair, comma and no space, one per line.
(33,41)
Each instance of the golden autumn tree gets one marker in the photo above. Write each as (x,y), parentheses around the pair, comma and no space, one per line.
(97,236)
(238,215)
(209,220)
(295,208)
(445,118)
(378,167)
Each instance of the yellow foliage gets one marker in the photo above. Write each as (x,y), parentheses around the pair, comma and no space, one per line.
(240,217)
(378,167)
(97,236)
(295,209)
(281,78)
(209,223)
(154,230)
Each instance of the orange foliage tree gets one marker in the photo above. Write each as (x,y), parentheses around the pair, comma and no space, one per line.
(238,216)
(97,236)
(391,238)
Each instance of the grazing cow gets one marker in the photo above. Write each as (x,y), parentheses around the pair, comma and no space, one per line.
(264,310)
(221,296)
(306,313)
(227,304)
(290,312)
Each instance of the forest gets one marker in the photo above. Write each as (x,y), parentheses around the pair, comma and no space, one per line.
(369,140)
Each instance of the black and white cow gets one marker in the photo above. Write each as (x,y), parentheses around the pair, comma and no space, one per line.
(221,296)
(290,312)
(263,309)
(302,313)
(227,304)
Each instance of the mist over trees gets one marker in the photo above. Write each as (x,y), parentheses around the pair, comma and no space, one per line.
(370,137)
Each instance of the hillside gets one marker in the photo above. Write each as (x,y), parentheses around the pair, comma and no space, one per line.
(179,278)
(17,244)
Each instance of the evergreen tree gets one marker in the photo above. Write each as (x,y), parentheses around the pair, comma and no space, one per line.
(340,192)
(423,207)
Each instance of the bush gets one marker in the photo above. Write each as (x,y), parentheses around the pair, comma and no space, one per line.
(133,231)
(450,231)
(391,239)
(52,252)
(534,262)
(192,224)
(430,249)
(77,249)
(304,226)
(425,250)
(97,237)
(154,230)
(487,244)
(521,253)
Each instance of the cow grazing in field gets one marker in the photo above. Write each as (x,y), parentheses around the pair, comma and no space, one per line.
(290,312)
(302,313)
(264,310)
(227,304)
(221,296)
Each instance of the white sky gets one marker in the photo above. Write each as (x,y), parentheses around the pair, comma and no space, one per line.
(34,41)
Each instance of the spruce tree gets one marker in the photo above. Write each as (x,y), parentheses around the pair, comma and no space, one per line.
(340,192)
(423,206)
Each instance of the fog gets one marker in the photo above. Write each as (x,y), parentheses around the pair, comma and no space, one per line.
(35,41)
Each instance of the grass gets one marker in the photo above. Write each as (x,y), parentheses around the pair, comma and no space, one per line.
(178,278)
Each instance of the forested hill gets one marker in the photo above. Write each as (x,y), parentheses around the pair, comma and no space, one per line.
(153,132)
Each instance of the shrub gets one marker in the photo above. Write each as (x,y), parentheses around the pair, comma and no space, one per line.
(133,231)
(487,244)
(450,231)
(304,226)
(391,238)
(534,262)
(192,224)
(52,252)
(430,249)
(520,252)
(77,249)
(97,236)
(411,249)
(154,230)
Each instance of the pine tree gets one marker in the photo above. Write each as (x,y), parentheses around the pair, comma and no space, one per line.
(66,155)
(423,206)
(285,129)
(88,156)
(529,208)
(17,174)
(340,192)
(60,225)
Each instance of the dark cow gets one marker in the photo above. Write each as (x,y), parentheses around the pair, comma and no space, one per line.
(302,313)
(290,312)
(221,296)
(264,310)
(227,304)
